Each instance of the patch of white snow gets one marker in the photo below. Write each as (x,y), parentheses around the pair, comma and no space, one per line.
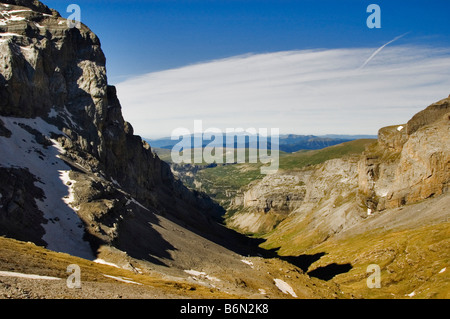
(201,274)
(285,287)
(104,262)
(248,262)
(63,231)
(123,279)
(9,34)
(26,276)
(132,200)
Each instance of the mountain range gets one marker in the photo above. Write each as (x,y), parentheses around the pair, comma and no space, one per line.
(286,142)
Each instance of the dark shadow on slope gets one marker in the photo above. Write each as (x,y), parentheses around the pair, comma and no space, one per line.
(303,261)
(140,240)
(198,213)
(20,217)
(108,216)
(330,271)
(135,226)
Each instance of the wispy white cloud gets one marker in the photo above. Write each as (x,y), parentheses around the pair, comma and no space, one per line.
(303,92)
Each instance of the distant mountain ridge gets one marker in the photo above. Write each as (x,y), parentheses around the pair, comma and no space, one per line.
(288,143)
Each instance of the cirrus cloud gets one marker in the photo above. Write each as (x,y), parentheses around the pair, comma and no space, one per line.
(301,92)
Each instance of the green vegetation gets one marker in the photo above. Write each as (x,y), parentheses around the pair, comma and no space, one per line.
(163,154)
(223,182)
(413,262)
(301,159)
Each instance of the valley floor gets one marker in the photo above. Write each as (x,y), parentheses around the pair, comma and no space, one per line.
(98,281)
(28,271)
(410,245)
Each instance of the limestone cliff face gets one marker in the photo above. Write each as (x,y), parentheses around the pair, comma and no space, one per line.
(55,72)
(267,202)
(54,76)
(411,162)
(323,188)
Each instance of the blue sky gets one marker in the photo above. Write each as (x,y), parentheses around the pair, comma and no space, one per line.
(141,36)
(305,66)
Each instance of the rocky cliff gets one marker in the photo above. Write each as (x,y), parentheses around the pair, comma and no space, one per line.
(408,164)
(75,179)
(267,202)
(326,193)
(70,163)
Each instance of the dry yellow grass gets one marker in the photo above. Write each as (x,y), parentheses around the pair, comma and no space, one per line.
(414,263)
(27,258)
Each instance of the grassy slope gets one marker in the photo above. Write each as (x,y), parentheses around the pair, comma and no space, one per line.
(27,258)
(411,245)
(301,159)
(414,262)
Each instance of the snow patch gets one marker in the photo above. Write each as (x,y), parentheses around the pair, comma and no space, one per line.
(26,276)
(65,115)
(382,193)
(59,147)
(123,279)
(104,262)
(9,34)
(52,114)
(441,271)
(399,128)
(16,18)
(195,273)
(132,200)
(285,287)
(248,262)
(115,182)
(8,16)
(64,230)
(18,11)
(69,199)
(201,274)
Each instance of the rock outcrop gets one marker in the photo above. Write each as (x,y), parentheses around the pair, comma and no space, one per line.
(20,217)
(332,185)
(75,178)
(410,162)
(267,202)
(53,81)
